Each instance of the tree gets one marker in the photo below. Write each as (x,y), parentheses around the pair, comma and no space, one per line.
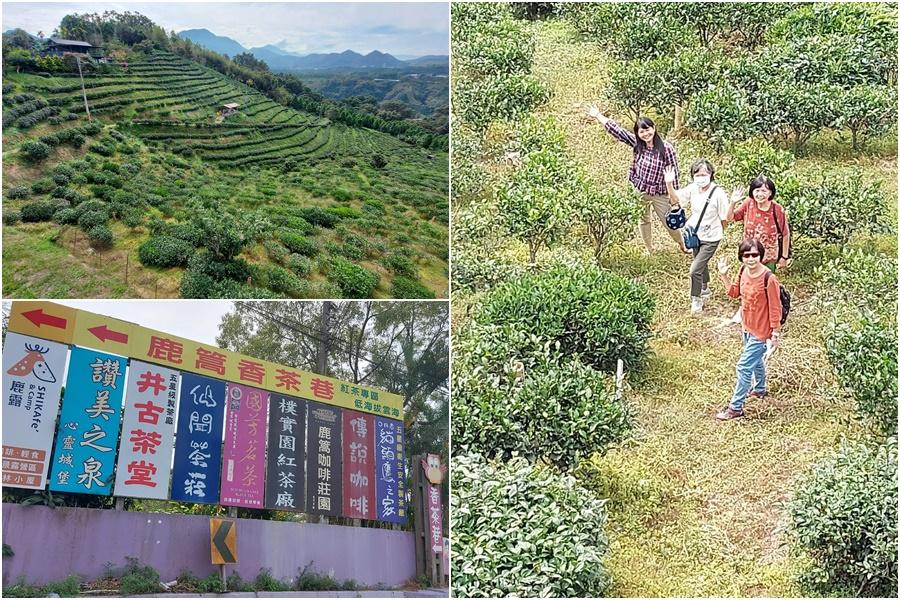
(18,38)
(245,59)
(866,109)
(19,58)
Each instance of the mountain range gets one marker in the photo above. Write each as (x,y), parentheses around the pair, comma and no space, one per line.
(279,59)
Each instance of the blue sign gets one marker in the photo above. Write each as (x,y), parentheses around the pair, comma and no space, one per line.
(198,443)
(390,473)
(85,454)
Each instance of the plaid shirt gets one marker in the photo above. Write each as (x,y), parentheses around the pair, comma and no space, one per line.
(646,171)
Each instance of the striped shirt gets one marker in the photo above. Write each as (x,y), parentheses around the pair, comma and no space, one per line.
(646,171)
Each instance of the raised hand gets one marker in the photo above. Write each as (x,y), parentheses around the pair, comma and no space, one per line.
(594,113)
(723,265)
(669,174)
(738,195)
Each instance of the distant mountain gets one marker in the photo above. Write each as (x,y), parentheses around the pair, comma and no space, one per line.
(431,60)
(210,41)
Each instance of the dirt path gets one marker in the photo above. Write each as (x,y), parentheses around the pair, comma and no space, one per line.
(695,505)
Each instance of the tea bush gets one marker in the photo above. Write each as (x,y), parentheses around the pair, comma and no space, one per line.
(165,251)
(404,287)
(299,264)
(844,521)
(11,217)
(595,315)
(35,151)
(353,280)
(17,192)
(92,218)
(101,237)
(37,211)
(66,216)
(509,518)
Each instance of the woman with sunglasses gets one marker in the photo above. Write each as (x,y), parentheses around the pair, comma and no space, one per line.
(758,290)
(650,156)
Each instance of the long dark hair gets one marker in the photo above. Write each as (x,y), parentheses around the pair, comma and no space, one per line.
(659,147)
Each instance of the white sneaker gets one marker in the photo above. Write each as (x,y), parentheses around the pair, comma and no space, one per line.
(696,304)
(705,292)
(737,318)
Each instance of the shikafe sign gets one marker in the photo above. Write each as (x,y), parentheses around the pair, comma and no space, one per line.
(249,432)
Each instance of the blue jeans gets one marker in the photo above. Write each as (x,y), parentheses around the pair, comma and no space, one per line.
(751,371)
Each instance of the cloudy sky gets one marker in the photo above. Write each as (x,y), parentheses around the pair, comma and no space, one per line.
(399,28)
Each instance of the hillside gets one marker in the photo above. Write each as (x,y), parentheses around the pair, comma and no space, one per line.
(321,208)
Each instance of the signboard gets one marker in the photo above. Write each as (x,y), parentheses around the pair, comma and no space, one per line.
(434,474)
(32,377)
(323,460)
(223,541)
(287,447)
(51,321)
(359,465)
(198,449)
(244,454)
(148,432)
(89,423)
(390,477)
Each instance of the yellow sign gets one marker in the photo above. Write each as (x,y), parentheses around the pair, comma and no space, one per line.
(223,541)
(63,324)
(43,319)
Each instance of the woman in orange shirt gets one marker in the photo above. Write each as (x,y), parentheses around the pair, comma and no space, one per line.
(758,290)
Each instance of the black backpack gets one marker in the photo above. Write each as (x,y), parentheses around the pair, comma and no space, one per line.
(783,294)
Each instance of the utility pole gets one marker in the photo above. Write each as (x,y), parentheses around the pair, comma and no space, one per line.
(322,356)
(83,93)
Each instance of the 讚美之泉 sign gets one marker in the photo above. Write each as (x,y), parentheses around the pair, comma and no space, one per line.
(390,476)
(287,449)
(323,459)
(359,465)
(148,432)
(88,433)
(198,448)
(32,378)
(244,455)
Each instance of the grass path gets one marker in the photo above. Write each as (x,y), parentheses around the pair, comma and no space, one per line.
(696,506)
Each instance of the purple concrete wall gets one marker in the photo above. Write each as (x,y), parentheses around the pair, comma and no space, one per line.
(50,544)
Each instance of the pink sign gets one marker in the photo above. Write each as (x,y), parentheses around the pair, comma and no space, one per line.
(435,517)
(359,465)
(244,455)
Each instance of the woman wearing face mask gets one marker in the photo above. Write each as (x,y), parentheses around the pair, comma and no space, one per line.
(758,290)
(764,220)
(709,209)
(651,156)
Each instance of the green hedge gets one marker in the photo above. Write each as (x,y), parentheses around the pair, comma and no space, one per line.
(353,280)
(524,531)
(165,251)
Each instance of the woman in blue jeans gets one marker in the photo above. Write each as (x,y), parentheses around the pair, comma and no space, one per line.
(758,290)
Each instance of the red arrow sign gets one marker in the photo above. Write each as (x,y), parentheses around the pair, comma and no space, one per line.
(39,317)
(103,333)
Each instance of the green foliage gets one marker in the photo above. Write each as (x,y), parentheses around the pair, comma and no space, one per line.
(310,581)
(301,265)
(404,287)
(723,113)
(867,110)
(834,205)
(66,216)
(607,213)
(17,192)
(100,237)
(861,279)
(282,281)
(319,216)
(11,217)
(37,211)
(87,220)
(235,583)
(353,280)
(401,265)
(8,551)
(265,582)
(590,314)
(299,244)
(69,587)
(844,520)
(508,518)
(751,158)
(165,251)
(35,151)
(21,589)
(220,233)
(138,578)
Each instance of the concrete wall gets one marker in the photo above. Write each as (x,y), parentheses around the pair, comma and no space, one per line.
(50,544)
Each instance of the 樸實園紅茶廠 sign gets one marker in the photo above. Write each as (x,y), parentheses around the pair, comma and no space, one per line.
(88,434)
(244,454)
(287,449)
(198,449)
(32,379)
(148,432)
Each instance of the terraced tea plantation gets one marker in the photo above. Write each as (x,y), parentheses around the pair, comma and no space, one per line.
(160,195)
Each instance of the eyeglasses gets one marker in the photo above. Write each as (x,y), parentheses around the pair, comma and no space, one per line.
(756,254)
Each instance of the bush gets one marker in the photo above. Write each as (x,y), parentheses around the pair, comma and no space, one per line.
(401,265)
(37,211)
(66,216)
(11,217)
(92,218)
(834,207)
(404,287)
(70,587)
(35,151)
(515,394)
(862,350)
(844,520)
(101,237)
(859,278)
(165,251)
(299,264)
(17,192)
(265,582)
(353,280)
(522,530)
(139,579)
(133,218)
(591,314)
(299,244)
(318,216)
(281,280)
(275,251)
(748,159)
(42,186)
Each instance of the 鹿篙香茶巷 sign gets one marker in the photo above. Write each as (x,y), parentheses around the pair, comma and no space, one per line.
(32,379)
(84,458)
(148,432)
(198,449)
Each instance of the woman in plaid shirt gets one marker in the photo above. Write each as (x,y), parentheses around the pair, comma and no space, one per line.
(651,156)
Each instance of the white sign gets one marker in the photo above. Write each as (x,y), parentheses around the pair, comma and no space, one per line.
(148,432)
(32,378)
